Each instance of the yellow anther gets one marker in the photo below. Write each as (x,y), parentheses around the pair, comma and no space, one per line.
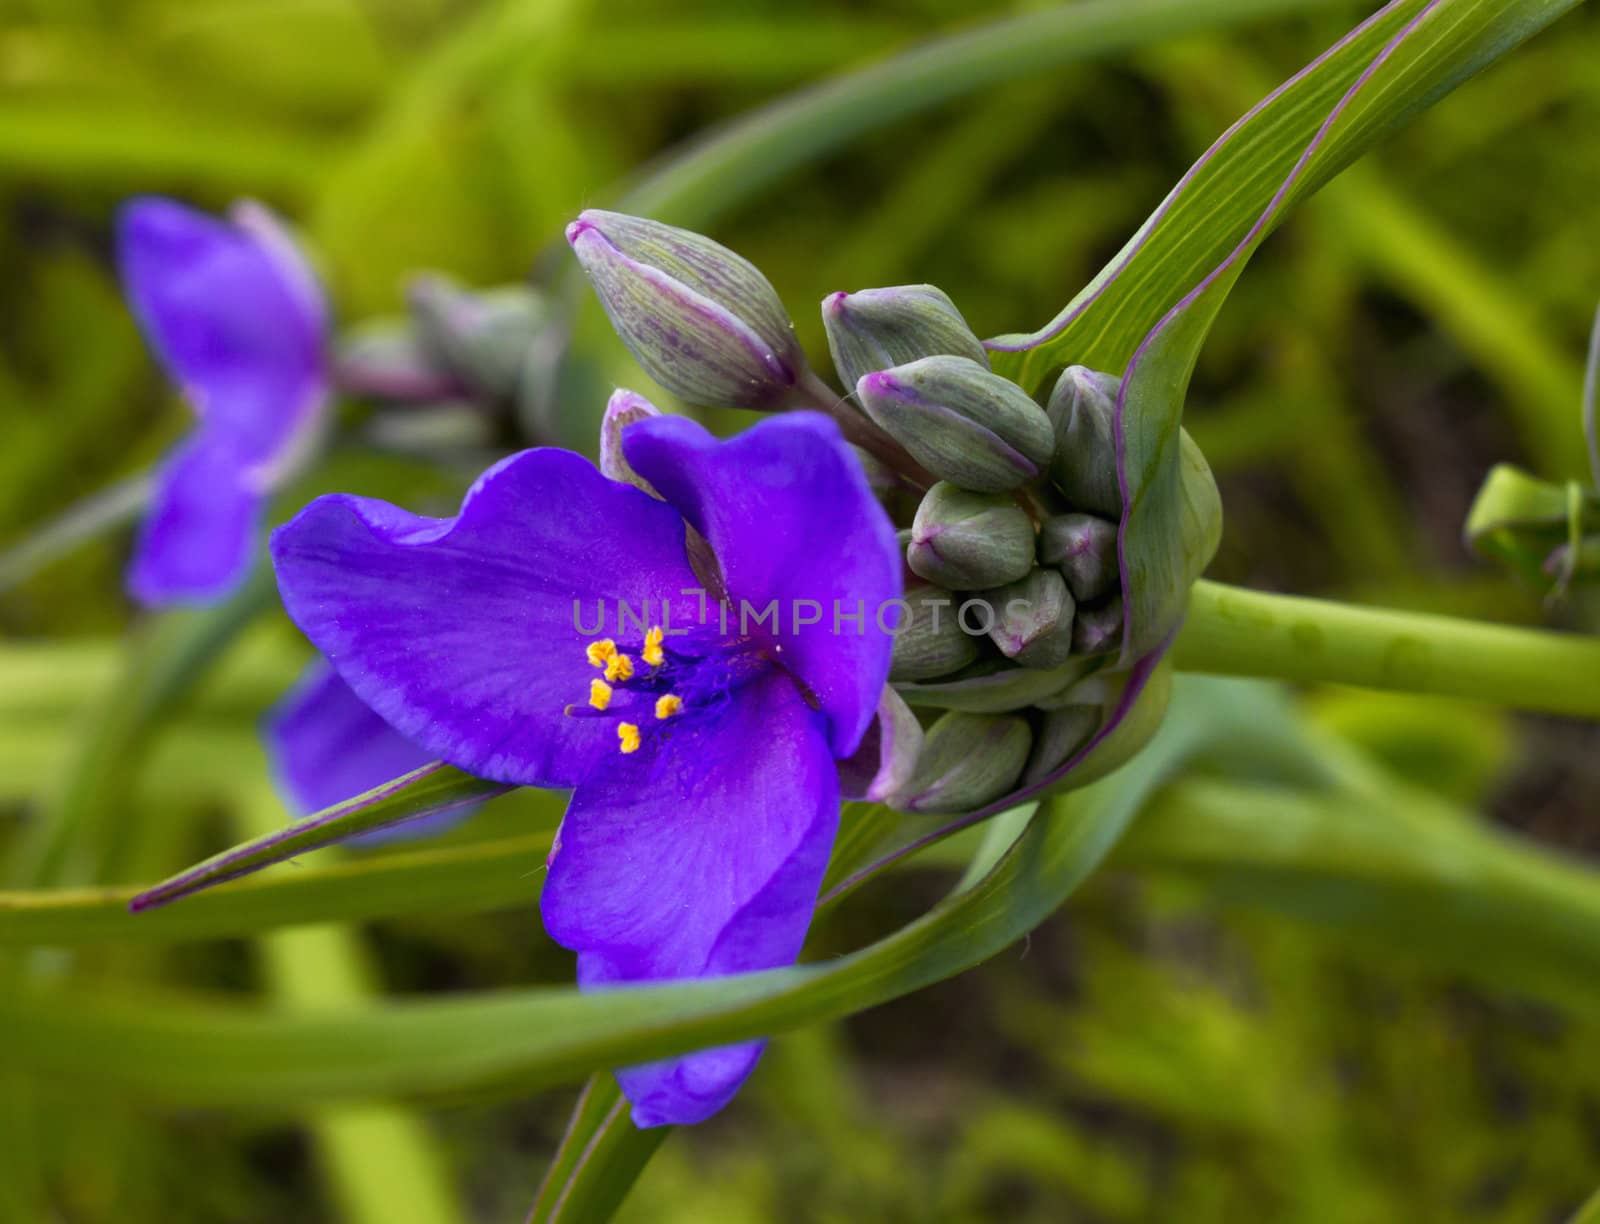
(652,652)
(629,735)
(619,667)
(668,704)
(599,652)
(599,694)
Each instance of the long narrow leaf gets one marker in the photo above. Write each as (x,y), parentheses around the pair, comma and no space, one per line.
(427,791)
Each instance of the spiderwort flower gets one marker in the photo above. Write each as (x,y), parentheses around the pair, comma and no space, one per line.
(327,746)
(237,319)
(701,743)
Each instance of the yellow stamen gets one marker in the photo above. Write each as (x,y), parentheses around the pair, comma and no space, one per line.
(629,735)
(619,667)
(599,694)
(652,652)
(668,704)
(599,652)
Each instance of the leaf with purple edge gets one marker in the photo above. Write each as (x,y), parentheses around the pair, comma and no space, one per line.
(1277,154)
(427,791)
(1394,64)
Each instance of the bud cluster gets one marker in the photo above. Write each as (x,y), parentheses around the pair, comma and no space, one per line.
(455,348)
(1011,530)
(1015,542)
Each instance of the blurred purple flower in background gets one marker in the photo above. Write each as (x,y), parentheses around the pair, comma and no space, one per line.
(326,746)
(704,760)
(238,321)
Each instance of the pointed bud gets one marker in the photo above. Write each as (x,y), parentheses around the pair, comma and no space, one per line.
(1098,630)
(888,753)
(876,329)
(1084,549)
(967,760)
(961,422)
(623,409)
(484,339)
(1058,735)
(702,321)
(929,641)
(1082,409)
(970,541)
(1033,619)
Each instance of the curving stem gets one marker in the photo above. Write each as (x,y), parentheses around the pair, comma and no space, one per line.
(1238,632)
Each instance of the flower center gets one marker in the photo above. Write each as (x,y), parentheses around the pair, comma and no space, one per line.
(654,683)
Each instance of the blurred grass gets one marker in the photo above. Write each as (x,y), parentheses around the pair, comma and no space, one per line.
(1147,1057)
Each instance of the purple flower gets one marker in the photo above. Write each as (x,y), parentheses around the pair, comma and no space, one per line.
(701,744)
(326,746)
(239,323)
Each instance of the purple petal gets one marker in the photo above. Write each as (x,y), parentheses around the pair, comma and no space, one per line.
(791,519)
(700,855)
(462,633)
(235,325)
(294,271)
(326,746)
(197,539)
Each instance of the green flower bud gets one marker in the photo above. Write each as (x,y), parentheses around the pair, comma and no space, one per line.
(928,641)
(1098,630)
(997,686)
(961,422)
(970,541)
(967,760)
(879,328)
(1082,409)
(1084,549)
(702,321)
(1057,735)
(623,409)
(1033,619)
(484,339)
(386,360)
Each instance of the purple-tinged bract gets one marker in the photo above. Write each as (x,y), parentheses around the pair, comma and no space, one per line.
(239,323)
(554,633)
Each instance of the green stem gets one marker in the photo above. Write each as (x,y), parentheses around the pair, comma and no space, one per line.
(1232,631)
(858,428)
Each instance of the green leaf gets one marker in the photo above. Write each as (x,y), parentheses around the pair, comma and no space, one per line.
(717,174)
(101,512)
(1282,151)
(176,1049)
(1160,564)
(422,792)
(1148,313)
(600,1157)
(439,880)
(1392,869)
(1517,519)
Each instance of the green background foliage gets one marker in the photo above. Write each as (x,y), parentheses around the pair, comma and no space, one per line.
(1315,979)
